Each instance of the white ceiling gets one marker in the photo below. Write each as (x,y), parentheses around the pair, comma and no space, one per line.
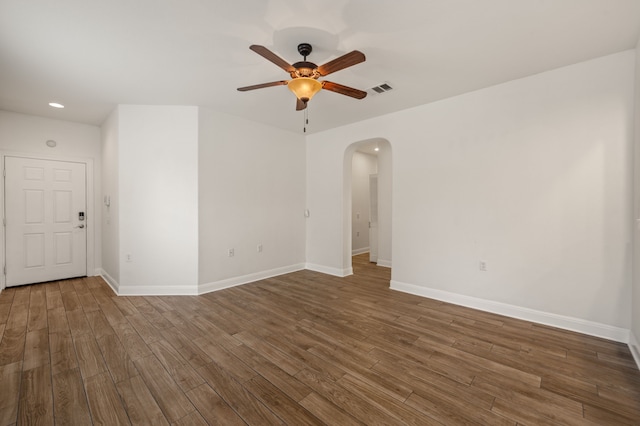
(92,55)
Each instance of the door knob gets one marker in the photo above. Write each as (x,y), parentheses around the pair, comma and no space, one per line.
(80,226)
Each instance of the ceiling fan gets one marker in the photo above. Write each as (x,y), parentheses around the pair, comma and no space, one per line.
(304,81)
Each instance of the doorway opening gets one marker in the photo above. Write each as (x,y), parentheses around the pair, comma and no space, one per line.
(367,204)
(46,204)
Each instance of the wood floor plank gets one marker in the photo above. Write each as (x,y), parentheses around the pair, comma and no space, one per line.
(57,320)
(62,352)
(273,354)
(239,398)
(78,323)
(131,340)
(70,300)
(144,328)
(54,297)
(177,367)
(327,412)
(12,345)
(36,351)
(22,295)
(172,401)
(139,403)
(104,401)
(192,419)
(118,362)
(36,398)
(88,302)
(69,399)
(10,375)
(226,360)
(404,413)
(5,308)
(113,315)
(212,408)
(99,324)
(347,401)
(37,309)
(274,374)
(280,403)
(18,316)
(89,356)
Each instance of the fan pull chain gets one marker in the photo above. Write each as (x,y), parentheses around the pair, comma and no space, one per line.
(306,119)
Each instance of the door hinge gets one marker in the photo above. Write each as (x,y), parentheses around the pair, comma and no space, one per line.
(4,269)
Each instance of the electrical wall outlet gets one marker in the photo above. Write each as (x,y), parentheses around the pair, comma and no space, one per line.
(231,252)
(259,248)
(482,265)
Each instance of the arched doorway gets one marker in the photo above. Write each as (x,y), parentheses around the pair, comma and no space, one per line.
(384,196)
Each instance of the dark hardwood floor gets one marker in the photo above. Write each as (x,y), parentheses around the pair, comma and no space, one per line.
(303,348)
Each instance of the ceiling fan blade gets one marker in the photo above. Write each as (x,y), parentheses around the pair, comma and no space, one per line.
(263,85)
(300,105)
(270,56)
(343,90)
(342,62)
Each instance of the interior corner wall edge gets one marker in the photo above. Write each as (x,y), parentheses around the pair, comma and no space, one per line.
(532,177)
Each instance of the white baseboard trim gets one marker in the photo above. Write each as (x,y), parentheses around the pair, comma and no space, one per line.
(384,263)
(329,270)
(634,348)
(109,280)
(171,290)
(567,323)
(245,279)
(359,251)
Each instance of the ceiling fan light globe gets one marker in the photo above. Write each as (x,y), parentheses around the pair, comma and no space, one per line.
(304,88)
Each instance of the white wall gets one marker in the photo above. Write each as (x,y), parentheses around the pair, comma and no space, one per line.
(635,323)
(363,165)
(26,134)
(110,188)
(532,176)
(158,199)
(252,191)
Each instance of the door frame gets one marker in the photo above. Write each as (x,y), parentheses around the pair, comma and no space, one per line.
(92,220)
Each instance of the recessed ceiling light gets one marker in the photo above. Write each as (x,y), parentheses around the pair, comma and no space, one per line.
(56,105)
(376,149)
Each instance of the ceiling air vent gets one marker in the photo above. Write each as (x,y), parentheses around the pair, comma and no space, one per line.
(382,88)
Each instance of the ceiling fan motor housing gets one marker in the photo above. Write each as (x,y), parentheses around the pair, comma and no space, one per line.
(305,69)
(305,49)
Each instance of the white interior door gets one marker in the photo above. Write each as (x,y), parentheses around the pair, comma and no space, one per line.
(45,228)
(373,218)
